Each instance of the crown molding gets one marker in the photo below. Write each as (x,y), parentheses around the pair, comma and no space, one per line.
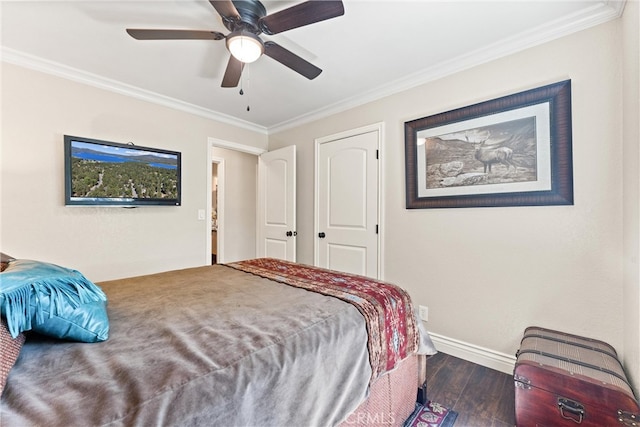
(32,62)
(586,18)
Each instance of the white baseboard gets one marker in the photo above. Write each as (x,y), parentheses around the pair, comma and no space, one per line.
(482,356)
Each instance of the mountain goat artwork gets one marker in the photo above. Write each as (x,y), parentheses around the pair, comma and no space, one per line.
(489,156)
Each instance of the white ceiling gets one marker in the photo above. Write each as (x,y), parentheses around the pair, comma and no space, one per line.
(377,48)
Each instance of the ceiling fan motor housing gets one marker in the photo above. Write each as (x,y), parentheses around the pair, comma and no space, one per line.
(250,12)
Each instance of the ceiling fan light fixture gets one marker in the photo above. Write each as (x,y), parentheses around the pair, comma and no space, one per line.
(245,46)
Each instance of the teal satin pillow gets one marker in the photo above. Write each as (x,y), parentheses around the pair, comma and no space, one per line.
(54,301)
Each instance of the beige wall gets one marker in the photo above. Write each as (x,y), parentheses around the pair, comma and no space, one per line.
(631,138)
(103,243)
(487,273)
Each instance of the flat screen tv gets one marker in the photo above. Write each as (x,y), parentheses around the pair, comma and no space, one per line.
(102,173)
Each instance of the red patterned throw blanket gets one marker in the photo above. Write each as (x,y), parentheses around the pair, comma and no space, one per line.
(387,309)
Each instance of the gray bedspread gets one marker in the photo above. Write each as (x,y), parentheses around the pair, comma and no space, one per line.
(207,346)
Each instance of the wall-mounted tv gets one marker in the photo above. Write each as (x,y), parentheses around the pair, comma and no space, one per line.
(112,174)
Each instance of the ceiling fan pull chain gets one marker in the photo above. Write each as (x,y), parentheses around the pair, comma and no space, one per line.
(248,73)
(242,79)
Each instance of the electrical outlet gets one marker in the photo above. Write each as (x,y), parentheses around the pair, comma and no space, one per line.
(424,312)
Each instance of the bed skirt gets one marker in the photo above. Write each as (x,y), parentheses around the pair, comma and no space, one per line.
(392,397)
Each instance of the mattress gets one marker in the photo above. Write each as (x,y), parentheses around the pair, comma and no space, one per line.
(202,346)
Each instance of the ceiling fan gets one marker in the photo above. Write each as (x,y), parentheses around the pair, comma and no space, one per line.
(246,20)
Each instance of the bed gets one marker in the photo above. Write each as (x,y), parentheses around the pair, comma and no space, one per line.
(260,342)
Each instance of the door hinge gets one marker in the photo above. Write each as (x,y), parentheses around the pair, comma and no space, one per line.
(376,228)
(377,154)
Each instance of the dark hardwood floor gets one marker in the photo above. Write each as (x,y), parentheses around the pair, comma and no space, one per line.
(482,397)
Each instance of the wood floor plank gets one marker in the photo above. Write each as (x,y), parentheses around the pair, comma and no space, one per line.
(448,383)
(506,409)
(482,396)
(434,363)
(483,382)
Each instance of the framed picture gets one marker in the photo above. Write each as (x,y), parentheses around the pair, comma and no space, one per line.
(510,151)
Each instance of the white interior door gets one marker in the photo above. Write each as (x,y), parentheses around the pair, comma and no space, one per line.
(347,205)
(276,226)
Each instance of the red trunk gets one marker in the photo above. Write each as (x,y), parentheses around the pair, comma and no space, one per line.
(568,380)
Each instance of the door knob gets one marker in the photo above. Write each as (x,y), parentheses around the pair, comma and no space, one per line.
(322,235)
(289,233)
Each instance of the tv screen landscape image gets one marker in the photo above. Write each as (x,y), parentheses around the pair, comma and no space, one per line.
(113,174)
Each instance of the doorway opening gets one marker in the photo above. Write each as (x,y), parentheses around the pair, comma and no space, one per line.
(215,246)
(214,212)
(241,185)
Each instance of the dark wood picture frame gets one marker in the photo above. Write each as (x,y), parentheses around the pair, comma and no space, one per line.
(526,137)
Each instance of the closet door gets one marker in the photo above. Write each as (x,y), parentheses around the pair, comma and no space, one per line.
(347,204)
